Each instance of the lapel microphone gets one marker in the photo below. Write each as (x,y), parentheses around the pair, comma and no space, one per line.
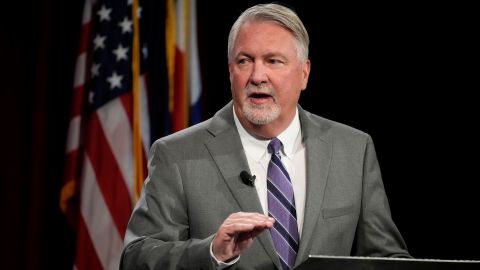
(247,178)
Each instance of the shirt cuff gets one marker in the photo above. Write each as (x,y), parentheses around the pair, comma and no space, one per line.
(219,264)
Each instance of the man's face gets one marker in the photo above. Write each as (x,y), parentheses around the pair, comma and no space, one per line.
(266,75)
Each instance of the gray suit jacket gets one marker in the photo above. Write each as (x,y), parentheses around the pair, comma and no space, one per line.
(194,185)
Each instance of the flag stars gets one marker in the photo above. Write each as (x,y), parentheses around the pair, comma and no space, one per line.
(99,42)
(121,52)
(104,13)
(115,80)
(126,25)
(95,70)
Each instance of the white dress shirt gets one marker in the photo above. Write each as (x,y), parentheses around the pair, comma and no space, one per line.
(293,158)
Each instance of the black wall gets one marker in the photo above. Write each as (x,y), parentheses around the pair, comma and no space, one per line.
(402,72)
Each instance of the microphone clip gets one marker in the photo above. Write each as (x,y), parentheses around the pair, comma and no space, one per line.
(247,178)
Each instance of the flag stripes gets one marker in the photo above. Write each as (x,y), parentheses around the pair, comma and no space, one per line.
(86,249)
(107,175)
(106,239)
(112,110)
(194,78)
(183,64)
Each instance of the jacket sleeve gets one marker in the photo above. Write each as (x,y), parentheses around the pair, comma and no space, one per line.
(376,235)
(157,235)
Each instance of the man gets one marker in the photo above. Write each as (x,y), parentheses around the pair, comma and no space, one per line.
(317,187)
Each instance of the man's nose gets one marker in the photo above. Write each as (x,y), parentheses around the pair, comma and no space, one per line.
(259,74)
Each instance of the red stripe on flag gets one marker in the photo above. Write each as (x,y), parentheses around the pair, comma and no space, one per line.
(180,101)
(86,257)
(84,38)
(109,177)
(127,102)
(78,101)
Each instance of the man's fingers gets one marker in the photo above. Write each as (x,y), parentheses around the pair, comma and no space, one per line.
(237,233)
(240,227)
(235,228)
(245,225)
(248,218)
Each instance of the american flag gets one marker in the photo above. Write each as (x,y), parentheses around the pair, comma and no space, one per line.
(114,102)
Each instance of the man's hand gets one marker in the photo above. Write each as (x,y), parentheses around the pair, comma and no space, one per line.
(237,233)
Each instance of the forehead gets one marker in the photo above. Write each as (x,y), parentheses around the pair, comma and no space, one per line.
(264,35)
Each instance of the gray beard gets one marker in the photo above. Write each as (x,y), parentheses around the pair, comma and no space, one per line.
(261,114)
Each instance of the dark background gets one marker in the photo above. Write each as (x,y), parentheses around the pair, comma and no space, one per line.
(403,72)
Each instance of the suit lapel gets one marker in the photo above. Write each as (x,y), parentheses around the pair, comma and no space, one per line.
(318,158)
(227,152)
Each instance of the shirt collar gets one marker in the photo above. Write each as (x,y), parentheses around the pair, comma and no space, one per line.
(257,148)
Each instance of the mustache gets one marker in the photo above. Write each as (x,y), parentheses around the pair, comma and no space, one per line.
(260,89)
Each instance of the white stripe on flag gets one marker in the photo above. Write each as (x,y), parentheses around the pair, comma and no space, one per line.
(180,25)
(87,11)
(194,65)
(118,132)
(103,232)
(73,139)
(79,77)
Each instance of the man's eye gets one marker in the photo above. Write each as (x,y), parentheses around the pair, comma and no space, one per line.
(243,61)
(274,61)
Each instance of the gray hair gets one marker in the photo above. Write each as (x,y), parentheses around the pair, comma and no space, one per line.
(281,15)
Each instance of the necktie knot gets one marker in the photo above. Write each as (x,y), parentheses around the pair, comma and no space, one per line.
(275,145)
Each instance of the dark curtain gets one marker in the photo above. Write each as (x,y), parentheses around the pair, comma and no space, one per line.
(401,72)
(38,48)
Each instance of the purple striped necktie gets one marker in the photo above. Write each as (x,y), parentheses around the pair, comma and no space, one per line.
(281,206)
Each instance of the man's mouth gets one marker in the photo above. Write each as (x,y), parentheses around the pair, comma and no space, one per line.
(259,98)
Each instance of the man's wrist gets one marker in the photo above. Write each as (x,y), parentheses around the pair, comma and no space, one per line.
(222,264)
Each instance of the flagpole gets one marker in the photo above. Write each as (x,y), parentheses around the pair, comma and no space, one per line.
(137,136)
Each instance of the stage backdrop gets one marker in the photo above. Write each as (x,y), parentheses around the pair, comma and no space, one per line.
(402,72)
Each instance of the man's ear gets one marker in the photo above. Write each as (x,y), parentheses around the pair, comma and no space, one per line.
(305,73)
